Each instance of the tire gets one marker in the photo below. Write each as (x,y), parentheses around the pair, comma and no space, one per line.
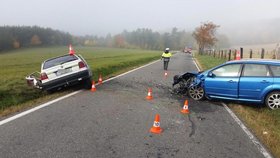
(272,100)
(51,91)
(196,92)
(87,83)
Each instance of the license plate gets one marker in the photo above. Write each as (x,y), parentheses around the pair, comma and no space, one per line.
(62,71)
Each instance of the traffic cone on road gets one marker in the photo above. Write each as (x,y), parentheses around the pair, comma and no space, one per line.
(156,126)
(100,79)
(185,109)
(165,74)
(149,96)
(93,89)
(71,50)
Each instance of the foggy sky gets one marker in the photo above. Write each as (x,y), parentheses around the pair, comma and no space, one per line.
(100,17)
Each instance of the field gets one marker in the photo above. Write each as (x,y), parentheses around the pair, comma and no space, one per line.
(269,50)
(257,48)
(15,65)
(264,123)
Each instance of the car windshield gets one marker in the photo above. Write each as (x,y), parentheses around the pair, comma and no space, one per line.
(59,61)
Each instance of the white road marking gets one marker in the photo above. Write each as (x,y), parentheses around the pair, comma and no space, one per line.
(36,108)
(259,145)
(255,141)
(129,71)
(196,65)
(63,97)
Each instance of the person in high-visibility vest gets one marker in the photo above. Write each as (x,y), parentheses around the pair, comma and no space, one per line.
(166,57)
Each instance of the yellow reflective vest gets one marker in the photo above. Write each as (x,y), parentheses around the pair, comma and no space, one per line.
(166,55)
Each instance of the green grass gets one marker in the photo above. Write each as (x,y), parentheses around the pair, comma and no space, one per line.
(207,62)
(264,123)
(15,65)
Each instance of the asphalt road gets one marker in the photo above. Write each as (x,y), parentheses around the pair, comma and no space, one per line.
(115,121)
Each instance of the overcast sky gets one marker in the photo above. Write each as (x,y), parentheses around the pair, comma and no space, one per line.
(99,17)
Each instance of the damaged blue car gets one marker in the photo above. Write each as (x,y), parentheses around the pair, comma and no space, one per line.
(255,81)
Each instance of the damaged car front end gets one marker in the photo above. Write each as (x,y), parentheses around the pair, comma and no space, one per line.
(190,83)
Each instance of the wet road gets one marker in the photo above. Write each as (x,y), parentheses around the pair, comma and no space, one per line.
(115,121)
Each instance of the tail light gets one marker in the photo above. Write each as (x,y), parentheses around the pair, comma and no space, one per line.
(81,64)
(43,76)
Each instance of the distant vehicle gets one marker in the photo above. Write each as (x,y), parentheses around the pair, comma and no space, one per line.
(242,80)
(60,72)
(188,50)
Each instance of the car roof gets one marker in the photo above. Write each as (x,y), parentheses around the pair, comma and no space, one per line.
(256,61)
(58,57)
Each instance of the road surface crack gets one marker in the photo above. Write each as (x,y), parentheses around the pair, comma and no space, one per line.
(193,126)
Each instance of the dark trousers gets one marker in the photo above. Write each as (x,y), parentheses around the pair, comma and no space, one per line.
(165,65)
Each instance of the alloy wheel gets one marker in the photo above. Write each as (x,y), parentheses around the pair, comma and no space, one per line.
(196,92)
(273,100)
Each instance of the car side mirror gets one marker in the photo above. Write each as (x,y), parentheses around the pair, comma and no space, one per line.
(210,74)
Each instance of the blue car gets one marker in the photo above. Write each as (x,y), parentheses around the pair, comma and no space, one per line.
(255,81)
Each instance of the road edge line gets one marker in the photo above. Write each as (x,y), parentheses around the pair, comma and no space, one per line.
(36,108)
(255,141)
(9,119)
(129,72)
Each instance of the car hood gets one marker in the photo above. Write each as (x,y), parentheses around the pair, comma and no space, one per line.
(185,76)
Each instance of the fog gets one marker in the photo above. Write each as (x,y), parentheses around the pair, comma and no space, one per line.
(240,20)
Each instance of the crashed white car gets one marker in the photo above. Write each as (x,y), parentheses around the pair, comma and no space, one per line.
(60,72)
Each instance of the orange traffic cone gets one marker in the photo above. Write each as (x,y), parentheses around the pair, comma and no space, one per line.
(237,55)
(185,109)
(93,89)
(156,126)
(165,74)
(149,96)
(71,50)
(100,79)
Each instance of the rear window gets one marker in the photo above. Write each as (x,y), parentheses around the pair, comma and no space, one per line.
(255,70)
(59,61)
(275,70)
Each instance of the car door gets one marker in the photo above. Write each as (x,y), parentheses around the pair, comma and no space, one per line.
(254,79)
(222,82)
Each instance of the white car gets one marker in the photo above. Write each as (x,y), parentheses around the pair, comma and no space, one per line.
(60,72)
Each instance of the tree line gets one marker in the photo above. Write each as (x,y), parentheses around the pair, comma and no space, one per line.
(204,36)
(13,37)
(142,38)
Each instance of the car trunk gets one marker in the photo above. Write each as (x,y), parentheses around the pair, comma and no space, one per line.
(61,70)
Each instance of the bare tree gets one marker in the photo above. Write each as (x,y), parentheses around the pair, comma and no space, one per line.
(205,35)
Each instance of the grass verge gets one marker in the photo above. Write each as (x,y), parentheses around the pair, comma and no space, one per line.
(16,96)
(264,123)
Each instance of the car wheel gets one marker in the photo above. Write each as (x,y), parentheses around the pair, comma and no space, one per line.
(51,91)
(272,100)
(196,92)
(87,83)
